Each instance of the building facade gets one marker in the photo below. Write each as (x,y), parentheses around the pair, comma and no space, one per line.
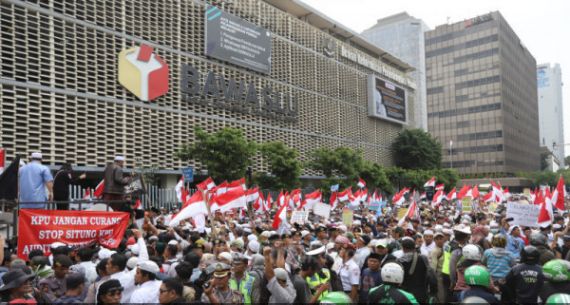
(482,97)
(551,113)
(403,36)
(60,92)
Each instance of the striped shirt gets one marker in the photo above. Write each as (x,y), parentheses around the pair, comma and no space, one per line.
(499,261)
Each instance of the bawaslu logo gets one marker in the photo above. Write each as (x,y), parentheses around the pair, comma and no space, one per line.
(143,73)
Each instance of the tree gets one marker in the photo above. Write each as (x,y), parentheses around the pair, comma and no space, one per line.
(226,153)
(567,160)
(341,165)
(376,177)
(416,149)
(283,164)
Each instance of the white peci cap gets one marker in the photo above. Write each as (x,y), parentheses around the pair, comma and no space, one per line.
(149,266)
(119,158)
(37,155)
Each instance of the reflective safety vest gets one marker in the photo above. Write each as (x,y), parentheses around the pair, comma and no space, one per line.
(446,259)
(245,287)
(316,280)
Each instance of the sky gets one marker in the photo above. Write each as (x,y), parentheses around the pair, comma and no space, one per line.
(543,27)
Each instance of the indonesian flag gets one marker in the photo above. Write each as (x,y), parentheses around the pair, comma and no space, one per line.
(334,199)
(440,187)
(252,195)
(281,199)
(399,198)
(220,189)
(559,194)
(98,193)
(489,197)
(361,183)
(363,195)
(138,204)
(353,200)
(280,217)
(430,182)
(507,193)
(2,159)
(533,195)
(87,195)
(178,188)
(475,192)
(295,198)
(269,202)
(546,214)
(260,206)
(206,185)
(239,182)
(412,213)
(539,198)
(233,199)
(452,195)
(423,196)
(498,192)
(312,198)
(437,198)
(547,193)
(344,195)
(376,198)
(194,205)
(464,192)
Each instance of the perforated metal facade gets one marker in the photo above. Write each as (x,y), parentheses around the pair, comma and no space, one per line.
(59,91)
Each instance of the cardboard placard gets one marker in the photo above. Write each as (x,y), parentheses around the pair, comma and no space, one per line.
(299,217)
(466,205)
(322,209)
(525,215)
(401,212)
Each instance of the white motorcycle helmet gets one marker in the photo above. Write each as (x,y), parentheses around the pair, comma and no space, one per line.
(392,273)
(472,252)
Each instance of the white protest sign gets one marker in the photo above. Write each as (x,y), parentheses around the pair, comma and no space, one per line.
(525,215)
(322,209)
(299,217)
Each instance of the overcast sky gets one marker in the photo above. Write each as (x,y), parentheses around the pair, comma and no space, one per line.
(543,26)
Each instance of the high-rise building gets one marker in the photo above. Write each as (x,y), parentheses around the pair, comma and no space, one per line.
(403,36)
(549,82)
(482,96)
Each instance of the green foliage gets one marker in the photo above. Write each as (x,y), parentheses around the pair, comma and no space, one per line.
(340,166)
(226,153)
(416,178)
(376,177)
(416,149)
(567,160)
(283,164)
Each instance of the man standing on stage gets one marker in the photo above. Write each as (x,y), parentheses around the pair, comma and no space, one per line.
(115,183)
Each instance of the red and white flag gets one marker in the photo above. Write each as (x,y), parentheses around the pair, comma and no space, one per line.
(260,205)
(430,182)
(440,187)
(465,191)
(194,205)
(423,196)
(252,194)
(475,192)
(498,192)
(361,183)
(333,200)
(233,199)
(280,217)
(452,195)
(220,189)
(236,183)
(400,198)
(178,188)
(87,195)
(538,198)
(312,198)
(437,198)
(344,195)
(206,185)
(269,202)
(507,193)
(412,213)
(489,197)
(98,193)
(559,194)
(546,214)
(376,197)
(2,159)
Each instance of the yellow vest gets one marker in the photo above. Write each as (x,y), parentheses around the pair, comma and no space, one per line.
(315,280)
(446,259)
(245,287)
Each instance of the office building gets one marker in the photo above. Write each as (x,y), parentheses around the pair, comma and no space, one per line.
(551,114)
(482,97)
(403,36)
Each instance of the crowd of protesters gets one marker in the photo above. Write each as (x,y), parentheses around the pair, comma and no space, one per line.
(443,255)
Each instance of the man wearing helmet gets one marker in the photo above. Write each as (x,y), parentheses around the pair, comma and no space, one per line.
(479,281)
(524,281)
(392,275)
(540,240)
(557,275)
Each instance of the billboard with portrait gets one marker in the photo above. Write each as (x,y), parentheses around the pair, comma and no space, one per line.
(386,101)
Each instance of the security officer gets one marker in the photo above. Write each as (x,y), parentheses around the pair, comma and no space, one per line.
(244,282)
(218,291)
(320,277)
(525,280)
(540,240)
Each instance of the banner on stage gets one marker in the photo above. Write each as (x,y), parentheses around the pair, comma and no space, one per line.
(525,215)
(322,209)
(38,229)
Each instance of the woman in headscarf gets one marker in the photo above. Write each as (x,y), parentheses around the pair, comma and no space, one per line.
(109,293)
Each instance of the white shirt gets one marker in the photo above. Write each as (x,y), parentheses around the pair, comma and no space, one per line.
(425,250)
(337,262)
(90,271)
(361,255)
(127,278)
(146,293)
(349,274)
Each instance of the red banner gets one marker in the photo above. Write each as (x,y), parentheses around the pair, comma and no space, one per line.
(38,229)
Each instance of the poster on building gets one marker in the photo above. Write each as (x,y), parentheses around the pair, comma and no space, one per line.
(523,214)
(232,39)
(386,101)
(38,229)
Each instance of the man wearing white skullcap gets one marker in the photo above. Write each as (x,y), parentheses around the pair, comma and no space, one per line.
(34,179)
(428,244)
(115,183)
